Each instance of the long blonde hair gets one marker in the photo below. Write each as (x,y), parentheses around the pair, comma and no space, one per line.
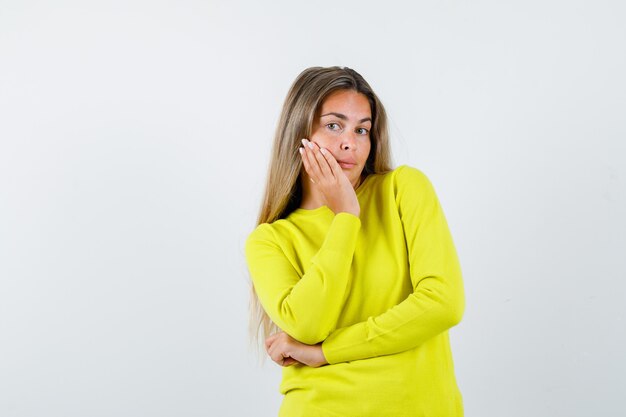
(283,190)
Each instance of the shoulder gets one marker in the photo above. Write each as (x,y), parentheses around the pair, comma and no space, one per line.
(412,188)
(270,233)
(261,240)
(401,181)
(261,231)
(402,174)
(407,178)
(262,234)
(407,173)
(266,231)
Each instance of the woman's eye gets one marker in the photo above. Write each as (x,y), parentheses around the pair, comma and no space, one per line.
(333,126)
(362,131)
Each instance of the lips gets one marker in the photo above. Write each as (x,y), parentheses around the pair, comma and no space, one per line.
(347,161)
(346,165)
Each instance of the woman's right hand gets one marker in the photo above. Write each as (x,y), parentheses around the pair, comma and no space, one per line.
(286,351)
(329,178)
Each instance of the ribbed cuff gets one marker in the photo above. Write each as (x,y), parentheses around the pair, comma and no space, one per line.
(347,344)
(343,232)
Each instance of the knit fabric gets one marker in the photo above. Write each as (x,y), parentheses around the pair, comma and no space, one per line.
(380,291)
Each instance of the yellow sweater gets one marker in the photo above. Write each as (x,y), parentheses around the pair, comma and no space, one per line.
(380,290)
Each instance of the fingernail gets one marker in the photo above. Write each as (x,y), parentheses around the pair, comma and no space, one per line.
(310,145)
(301,150)
(322,150)
(304,141)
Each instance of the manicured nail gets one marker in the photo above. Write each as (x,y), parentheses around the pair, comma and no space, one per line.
(304,141)
(301,150)
(323,151)
(310,145)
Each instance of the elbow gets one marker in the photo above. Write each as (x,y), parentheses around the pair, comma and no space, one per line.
(307,336)
(307,332)
(454,310)
(307,329)
(455,314)
(450,306)
(446,316)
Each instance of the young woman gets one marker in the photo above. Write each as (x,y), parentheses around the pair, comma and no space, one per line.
(355,277)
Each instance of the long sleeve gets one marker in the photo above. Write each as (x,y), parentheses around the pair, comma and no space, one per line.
(437,301)
(304,305)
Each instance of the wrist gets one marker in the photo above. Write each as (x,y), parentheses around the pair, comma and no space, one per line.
(321,359)
(349,211)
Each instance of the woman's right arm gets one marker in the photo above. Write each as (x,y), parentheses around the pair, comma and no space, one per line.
(305,306)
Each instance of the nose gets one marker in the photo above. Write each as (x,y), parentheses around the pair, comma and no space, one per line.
(348,141)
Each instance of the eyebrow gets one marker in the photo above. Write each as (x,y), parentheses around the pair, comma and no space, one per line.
(343,117)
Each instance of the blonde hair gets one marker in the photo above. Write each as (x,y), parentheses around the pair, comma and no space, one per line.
(283,190)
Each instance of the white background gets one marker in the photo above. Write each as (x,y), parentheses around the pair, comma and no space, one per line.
(134,141)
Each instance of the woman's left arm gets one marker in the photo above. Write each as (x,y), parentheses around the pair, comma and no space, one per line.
(437,302)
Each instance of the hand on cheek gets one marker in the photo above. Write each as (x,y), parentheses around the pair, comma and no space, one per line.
(324,171)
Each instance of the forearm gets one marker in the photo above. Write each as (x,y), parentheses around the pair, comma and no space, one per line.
(428,311)
(437,301)
(306,304)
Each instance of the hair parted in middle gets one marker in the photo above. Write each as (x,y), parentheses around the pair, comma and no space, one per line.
(283,190)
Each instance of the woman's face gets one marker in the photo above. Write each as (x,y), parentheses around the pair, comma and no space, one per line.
(343,127)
